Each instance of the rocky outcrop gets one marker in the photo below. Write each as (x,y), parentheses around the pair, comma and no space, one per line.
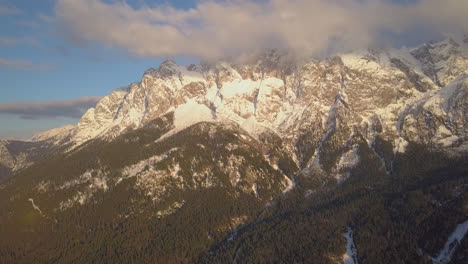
(18,155)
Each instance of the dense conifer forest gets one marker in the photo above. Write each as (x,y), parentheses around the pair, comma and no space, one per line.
(404,217)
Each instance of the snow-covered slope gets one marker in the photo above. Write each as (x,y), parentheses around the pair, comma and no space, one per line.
(55,134)
(404,95)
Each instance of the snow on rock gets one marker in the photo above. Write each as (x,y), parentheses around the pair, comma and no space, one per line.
(232,167)
(93,181)
(290,185)
(153,182)
(361,61)
(437,117)
(43,186)
(150,179)
(347,161)
(350,257)
(191,113)
(443,98)
(85,177)
(239,87)
(448,141)
(98,120)
(55,133)
(400,88)
(35,206)
(6,158)
(253,127)
(454,240)
(100,183)
(255,189)
(400,145)
(171,209)
(134,170)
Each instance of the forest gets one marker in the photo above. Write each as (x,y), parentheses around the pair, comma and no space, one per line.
(405,217)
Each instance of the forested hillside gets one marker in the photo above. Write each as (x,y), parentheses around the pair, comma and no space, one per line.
(205,212)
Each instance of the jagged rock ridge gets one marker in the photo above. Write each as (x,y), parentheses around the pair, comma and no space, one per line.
(404,95)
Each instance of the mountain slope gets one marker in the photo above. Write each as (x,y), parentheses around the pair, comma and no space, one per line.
(217,169)
(269,161)
(317,107)
(18,155)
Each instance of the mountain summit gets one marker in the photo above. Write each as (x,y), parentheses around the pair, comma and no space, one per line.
(406,95)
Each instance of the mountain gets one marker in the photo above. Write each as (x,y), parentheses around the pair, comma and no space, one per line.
(17,155)
(277,160)
(399,96)
(55,134)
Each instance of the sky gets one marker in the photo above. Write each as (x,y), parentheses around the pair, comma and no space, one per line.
(59,57)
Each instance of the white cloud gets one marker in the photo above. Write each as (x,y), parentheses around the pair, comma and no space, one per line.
(7,11)
(6,41)
(45,18)
(73,108)
(219,28)
(23,65)
(28,23)
(10,42)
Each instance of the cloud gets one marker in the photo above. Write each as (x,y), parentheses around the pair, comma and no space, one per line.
(7,42)
(45,18)
(214,29)
(73,108)
(28,23)
(10,42)
(60,50)
(8,11)
(24,65)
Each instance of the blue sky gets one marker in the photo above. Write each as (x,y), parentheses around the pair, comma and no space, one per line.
(61,55)
(55,69)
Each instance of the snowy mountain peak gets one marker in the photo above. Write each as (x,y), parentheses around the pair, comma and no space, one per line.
(388,94)
(166,69)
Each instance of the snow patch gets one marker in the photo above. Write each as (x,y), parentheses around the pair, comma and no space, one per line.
(154,183)
(255,189)
(134,170)
(151,180)
(43,186)
(454,240)
(400,145)
(201,146)
(99,182)
(59,133)
(347,161)
(191,113)
(290,185)
(239,87)
(232,168)
(171,209)
(253,127)
(350,257)
(35,206)
(361,61)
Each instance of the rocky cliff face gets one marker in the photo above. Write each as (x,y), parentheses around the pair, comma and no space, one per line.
(417,95)
(321,109)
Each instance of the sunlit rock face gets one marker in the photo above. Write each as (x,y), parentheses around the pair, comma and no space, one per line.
(399,95)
